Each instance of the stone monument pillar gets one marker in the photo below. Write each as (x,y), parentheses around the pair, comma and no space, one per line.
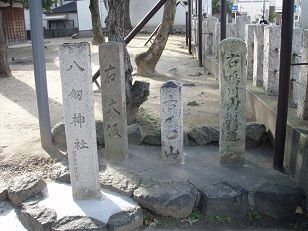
(258,57)
(249,39)
(78,107)
(272,40)
(111,56)
(171,114)
(232,71)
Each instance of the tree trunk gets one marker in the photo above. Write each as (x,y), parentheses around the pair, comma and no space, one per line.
(5,70)
(127,23)
(146,62)
(138,93)
(97,30)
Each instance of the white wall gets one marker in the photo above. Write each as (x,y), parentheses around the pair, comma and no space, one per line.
(304,14)
(253,8)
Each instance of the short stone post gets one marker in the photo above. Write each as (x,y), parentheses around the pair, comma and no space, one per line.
(171,114)
(241,22)
(296,58)
(258,57)
(232,71)
(78,107)
(216,39)
(204,36)
(249,39)
(302,109)
(111,58)
(272,42)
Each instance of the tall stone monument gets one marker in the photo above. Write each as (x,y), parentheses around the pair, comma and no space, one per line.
(78,104)
(272,40)
(111,56)
(232,72)
(249,39)
(241,22)
(171,114)
(258,57)
(302,109)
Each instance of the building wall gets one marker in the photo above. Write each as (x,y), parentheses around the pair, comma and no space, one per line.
(304,14)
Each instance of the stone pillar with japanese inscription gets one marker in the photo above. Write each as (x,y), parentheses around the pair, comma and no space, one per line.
(171,114)
(78,107)
(249,38)
(232,69)
(258,57)
(272,42)
(302,109)
(111,56)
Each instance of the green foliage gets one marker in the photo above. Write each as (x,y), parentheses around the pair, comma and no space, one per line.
(272,17)
(195,216)
(254,216)
(216,6)
(220,220)
(46,4)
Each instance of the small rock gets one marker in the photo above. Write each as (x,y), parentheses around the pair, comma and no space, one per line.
(24,187)
(79,223)
(58,134)
(119,180)
(154,139)
(173,71)
(168,199)
(3,192)
(225,199)
(38,218)
(135,134)
(203,135)
(188,84)
(60,172)
(254,134)
(129,220)
(75,36)
(193,103)
(277,200)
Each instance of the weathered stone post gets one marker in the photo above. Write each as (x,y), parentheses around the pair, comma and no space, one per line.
(258,56)
(296,58)
(249,39)
(241,22)
(78,107)
(272,42)
(231,30)
(171,114)
(216,39)
(111,58)
(302,109)
(232,69)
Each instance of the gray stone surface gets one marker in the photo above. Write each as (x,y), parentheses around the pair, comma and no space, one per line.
(152,139)
(24,187)
(135,134)
(277,200)
(129,220)
(254,134)
(59,137)
(216,39)
(272,40)
(38,218)
(114,101)
(249,39)
(225,199)
(231,30)
(78,110)
(171,115)
(258,56)
(168,199)
(209,32)
(3,191)
(79,223)
(241,22)
(296,58)
(204,134)
(119,180)
(232,68)
(302,109)
(59,172)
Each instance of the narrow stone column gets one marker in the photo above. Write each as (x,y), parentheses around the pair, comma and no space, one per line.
(231,30)
(232,69)
(272,42)
(296,58)
(241,22)
(171,114)
(216,39)
(249,39)
(111,58)
(302,109)
(258,57)
(78,108)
